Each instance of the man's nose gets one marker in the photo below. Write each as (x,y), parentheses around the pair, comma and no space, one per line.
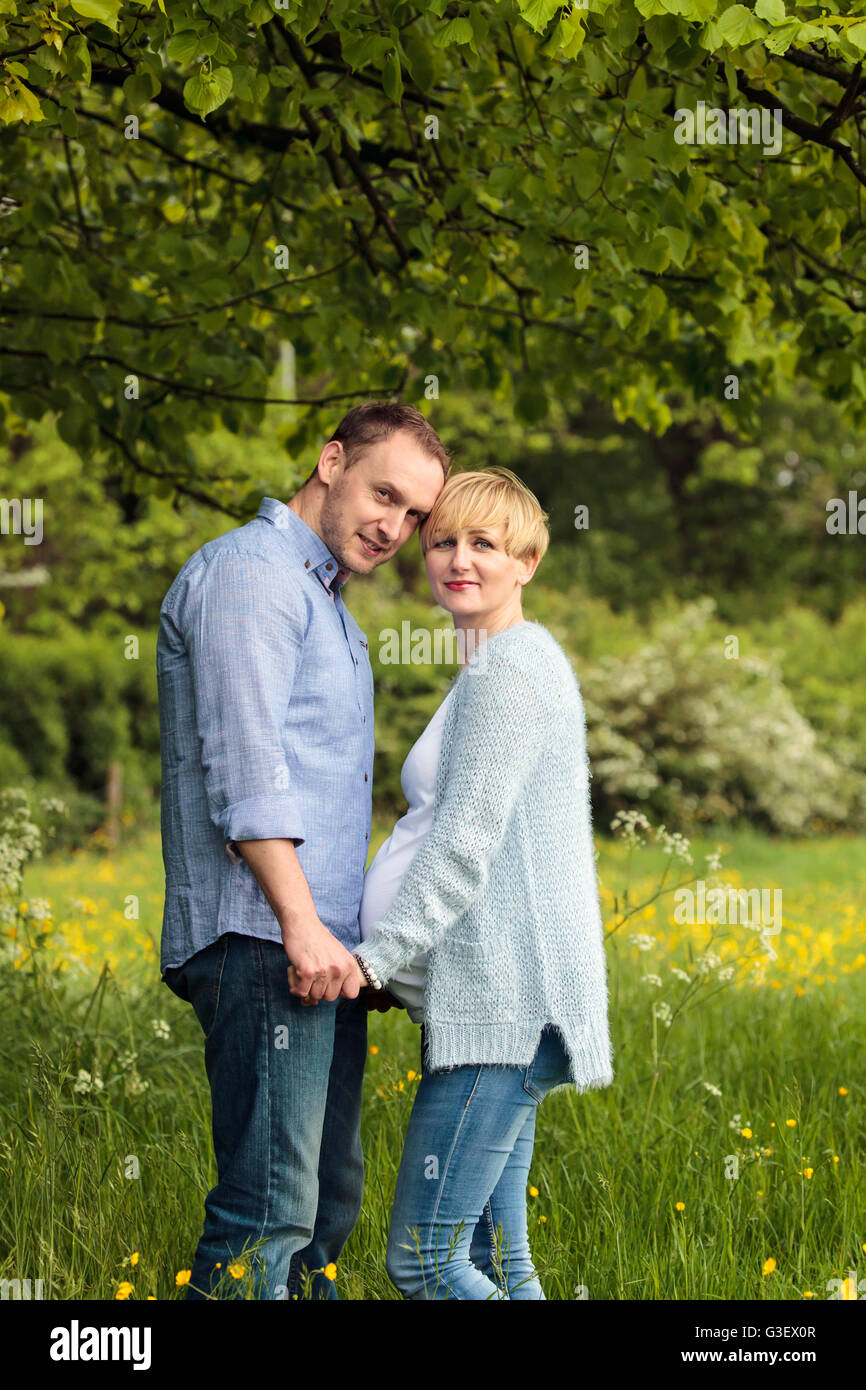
(390,526)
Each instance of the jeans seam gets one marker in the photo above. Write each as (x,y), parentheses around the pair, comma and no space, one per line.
(219,981)
(451,1150)
(257,946)
(491,1236)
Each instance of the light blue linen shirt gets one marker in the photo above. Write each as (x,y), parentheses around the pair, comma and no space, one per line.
(266,732)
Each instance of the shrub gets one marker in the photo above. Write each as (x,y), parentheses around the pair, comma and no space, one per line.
(695,737)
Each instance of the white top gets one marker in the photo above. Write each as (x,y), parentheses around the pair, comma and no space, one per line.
(385,874)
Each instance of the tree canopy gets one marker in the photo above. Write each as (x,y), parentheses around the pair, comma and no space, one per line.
(420,198)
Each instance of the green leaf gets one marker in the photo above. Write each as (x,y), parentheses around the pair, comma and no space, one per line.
(206,91)
(538,13)
(69,123)
(857,35)
(184,48)
(105,11)
(678,240)
(422,237)
(782,38)
(773,11)
(738,27)
(138,90)
(365,48)
(420,63)
(78,47)
(392,79)
(652,255)
(455,31)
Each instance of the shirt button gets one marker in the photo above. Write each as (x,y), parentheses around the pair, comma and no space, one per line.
(356,661)
(366,778)
(329,567)
(364,720)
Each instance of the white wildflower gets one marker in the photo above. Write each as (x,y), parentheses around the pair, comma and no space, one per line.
(87,1083)
(642,941)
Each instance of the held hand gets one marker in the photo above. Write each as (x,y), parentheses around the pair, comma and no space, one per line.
(355,982)
(321,967)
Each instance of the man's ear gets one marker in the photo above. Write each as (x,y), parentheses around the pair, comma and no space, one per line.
(332,455)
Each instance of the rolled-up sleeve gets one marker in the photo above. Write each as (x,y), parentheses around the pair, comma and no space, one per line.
(243,628)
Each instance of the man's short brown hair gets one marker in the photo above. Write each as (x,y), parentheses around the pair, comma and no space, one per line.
(366,424)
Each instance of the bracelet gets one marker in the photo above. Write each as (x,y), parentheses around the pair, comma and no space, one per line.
(368,974)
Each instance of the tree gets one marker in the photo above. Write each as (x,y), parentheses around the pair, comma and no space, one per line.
(421,198)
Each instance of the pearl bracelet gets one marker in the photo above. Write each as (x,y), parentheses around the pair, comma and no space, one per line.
(368,974)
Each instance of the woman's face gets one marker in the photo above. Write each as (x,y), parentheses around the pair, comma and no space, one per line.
(472,576)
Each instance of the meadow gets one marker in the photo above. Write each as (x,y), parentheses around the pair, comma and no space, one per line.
(725,1161)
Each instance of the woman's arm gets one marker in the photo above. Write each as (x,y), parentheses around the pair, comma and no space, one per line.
(501,728)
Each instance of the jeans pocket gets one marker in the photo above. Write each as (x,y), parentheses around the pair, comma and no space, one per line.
(203,975)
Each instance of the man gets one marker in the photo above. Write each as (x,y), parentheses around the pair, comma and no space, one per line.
(266,726)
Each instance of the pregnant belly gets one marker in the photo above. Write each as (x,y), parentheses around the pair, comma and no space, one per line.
(381,885)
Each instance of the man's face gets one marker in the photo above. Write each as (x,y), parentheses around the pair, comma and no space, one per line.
(383,499)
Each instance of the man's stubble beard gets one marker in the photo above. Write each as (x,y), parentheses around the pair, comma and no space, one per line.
(332,532)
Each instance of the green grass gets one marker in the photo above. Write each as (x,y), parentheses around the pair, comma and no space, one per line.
(609,1165)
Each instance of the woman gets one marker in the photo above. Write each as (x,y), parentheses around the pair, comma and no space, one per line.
(480,913)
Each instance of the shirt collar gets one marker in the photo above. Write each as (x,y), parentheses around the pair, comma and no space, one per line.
(307,544)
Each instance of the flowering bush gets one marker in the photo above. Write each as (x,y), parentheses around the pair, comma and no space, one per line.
(699,738)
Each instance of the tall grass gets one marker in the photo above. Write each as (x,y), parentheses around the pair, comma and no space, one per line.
(105,1150)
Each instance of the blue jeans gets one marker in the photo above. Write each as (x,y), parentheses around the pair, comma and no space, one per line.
(458,1225)
(285,1084)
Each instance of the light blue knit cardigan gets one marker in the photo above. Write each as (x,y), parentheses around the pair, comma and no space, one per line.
(503,891)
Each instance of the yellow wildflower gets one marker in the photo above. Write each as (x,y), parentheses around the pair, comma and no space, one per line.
(790,1123)
(843,1091)
(237,1270)
(373,1050)
(133,1259)
(680,1206)
(182,1277)
(124,1290)
(769,1266)
(807,1172)
(533,1191)
(746,1133)
(330,1271)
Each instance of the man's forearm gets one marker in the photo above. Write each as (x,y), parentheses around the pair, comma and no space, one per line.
(276,866)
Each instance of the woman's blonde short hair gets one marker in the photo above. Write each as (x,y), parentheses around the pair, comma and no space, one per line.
(472,500)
